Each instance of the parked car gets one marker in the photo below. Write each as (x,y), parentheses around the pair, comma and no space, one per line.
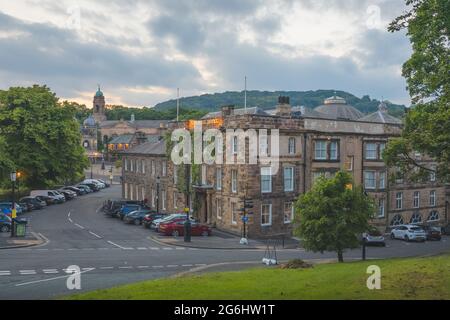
(433,233)
(113,206)
(155,224)
(78,191)
(48,200)
(99,184)
(37,205)
(128,208)
(5,223)
(8,205)
(136,217)
(149,218)
(94,187)
(409,233)
(373,238)
(68,194)
(446,230)
(27,206)
(176,228)
(59,198)
(84,188)
(107,185)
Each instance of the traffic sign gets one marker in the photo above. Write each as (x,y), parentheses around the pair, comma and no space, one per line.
(244,219)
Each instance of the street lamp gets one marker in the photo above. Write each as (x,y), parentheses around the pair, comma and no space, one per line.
(187,223)
(158,180)
(13,177)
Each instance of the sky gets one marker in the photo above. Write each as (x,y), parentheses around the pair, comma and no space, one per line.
(140,52)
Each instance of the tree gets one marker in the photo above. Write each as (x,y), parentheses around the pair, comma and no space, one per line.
(41,136)
(331,215)
(427,72)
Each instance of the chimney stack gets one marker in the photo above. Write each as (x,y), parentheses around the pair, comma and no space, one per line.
(227,110)
(284,108)
(141,137)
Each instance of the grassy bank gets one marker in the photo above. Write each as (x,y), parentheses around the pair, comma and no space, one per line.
(417,278)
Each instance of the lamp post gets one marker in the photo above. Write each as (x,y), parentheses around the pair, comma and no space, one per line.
(158,180)
(13,177)
(187,223)
(18,176)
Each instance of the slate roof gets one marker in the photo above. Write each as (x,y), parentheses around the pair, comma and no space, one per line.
(339,111)
(241,111)
(381,117)
(149,148)
(124,138)
(137,124)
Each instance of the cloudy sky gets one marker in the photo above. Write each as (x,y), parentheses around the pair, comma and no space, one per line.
(141,51)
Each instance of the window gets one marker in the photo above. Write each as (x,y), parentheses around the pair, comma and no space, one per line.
(234,181)
(434,216)
(175,198)
(348,165)
(415,218)
(397,220)
(382,147)
(288,212)
(153,167)
(125,187)
(153,198)
(320,150)
(175,175)
(126,164)
(266,179)
(263,145)
(143,166)
(163,199)
(416,199)
(233,213)
(289,179)
(333,150)
(164,168)
(131,192)
(399,200)
(203,174)
(433,174)
(371,151)
(291,145)
(235,145)
(143,193)
(218,209)
(131,165)
(369,180)
(219,178)
(433,198)
(266,214)
(382,179)
(381,208)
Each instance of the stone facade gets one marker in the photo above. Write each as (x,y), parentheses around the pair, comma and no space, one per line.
(309,146)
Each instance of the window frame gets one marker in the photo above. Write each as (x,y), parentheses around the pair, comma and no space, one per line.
(291,214)
(292,145)
(269,215)
(234,182)
(374,180)
(399,200)
(292,179)
(262,176)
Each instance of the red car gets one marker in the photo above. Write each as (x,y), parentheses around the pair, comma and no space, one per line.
(176,228)
(148,219)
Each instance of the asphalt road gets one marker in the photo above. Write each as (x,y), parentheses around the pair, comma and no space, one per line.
(110,252)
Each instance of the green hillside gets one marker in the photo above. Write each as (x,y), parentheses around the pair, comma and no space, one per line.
(268,99)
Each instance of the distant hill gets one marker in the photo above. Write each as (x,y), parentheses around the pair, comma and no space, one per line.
(268,99)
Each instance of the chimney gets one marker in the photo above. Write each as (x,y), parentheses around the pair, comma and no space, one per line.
(140,137)
(284,108)
(227,110)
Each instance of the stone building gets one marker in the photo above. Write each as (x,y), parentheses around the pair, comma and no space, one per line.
(311,143)
(96,126)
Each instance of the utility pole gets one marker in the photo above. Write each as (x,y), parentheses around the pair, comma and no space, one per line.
(13,205)
(187,223)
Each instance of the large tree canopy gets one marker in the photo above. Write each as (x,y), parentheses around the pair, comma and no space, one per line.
(41,136)
(427,72)
(330,216)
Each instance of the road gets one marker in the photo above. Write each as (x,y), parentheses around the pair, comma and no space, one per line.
(111,253)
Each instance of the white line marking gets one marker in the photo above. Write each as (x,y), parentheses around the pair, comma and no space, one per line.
(119,246)
(5,274)
(187,265)
(143,267)
(157,267)
(70,219)
(167,248)
(106,268)
(48,271)
(172,266)
(26,272)
(200,264)
(87,269)
(81,227)
(142,248)
(41,249)
(125,267)
(69,214)
(95,235)
(180,248)
(45,280)
(154,248)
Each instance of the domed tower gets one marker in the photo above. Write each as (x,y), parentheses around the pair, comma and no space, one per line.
(99,106)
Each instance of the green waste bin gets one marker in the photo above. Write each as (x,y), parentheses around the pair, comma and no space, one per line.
(20,228)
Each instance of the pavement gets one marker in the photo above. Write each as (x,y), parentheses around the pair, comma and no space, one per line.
(110,253)
(30,239)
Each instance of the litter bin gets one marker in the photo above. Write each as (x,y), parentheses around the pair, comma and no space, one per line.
(20,228)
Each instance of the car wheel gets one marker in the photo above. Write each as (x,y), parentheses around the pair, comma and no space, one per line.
(137,222)
(406,238)
(175,233)
(392,236)
(4,229)
(205,234)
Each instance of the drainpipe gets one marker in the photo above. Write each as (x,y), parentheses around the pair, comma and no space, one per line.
(304,162)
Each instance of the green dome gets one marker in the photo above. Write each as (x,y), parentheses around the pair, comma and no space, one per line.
(99,93)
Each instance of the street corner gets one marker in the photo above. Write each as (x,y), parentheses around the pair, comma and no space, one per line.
(29,240)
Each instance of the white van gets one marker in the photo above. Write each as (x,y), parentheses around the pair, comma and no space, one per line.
(59,198)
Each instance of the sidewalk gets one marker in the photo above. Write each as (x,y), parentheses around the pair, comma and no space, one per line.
(223,240)
(30,239)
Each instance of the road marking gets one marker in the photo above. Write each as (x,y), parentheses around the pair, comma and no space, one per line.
(157,267)
(143,267)
(180,248)
(69,214)
(142,248)
(154,248)
(42,249)
(106,268)
(200,264)
(167,248)
(70,219)
(46,280)
(5,273)
(88,269)
(95,235)
(187,265)
(172,266)
(129,267)
(81,227)
(88,249)
(119,246)
(50,271)
(27,272)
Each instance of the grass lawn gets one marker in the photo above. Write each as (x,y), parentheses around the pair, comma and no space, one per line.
(415,278)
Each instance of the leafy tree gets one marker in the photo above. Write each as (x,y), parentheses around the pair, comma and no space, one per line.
(41,136)
(427,72)
(330,216)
